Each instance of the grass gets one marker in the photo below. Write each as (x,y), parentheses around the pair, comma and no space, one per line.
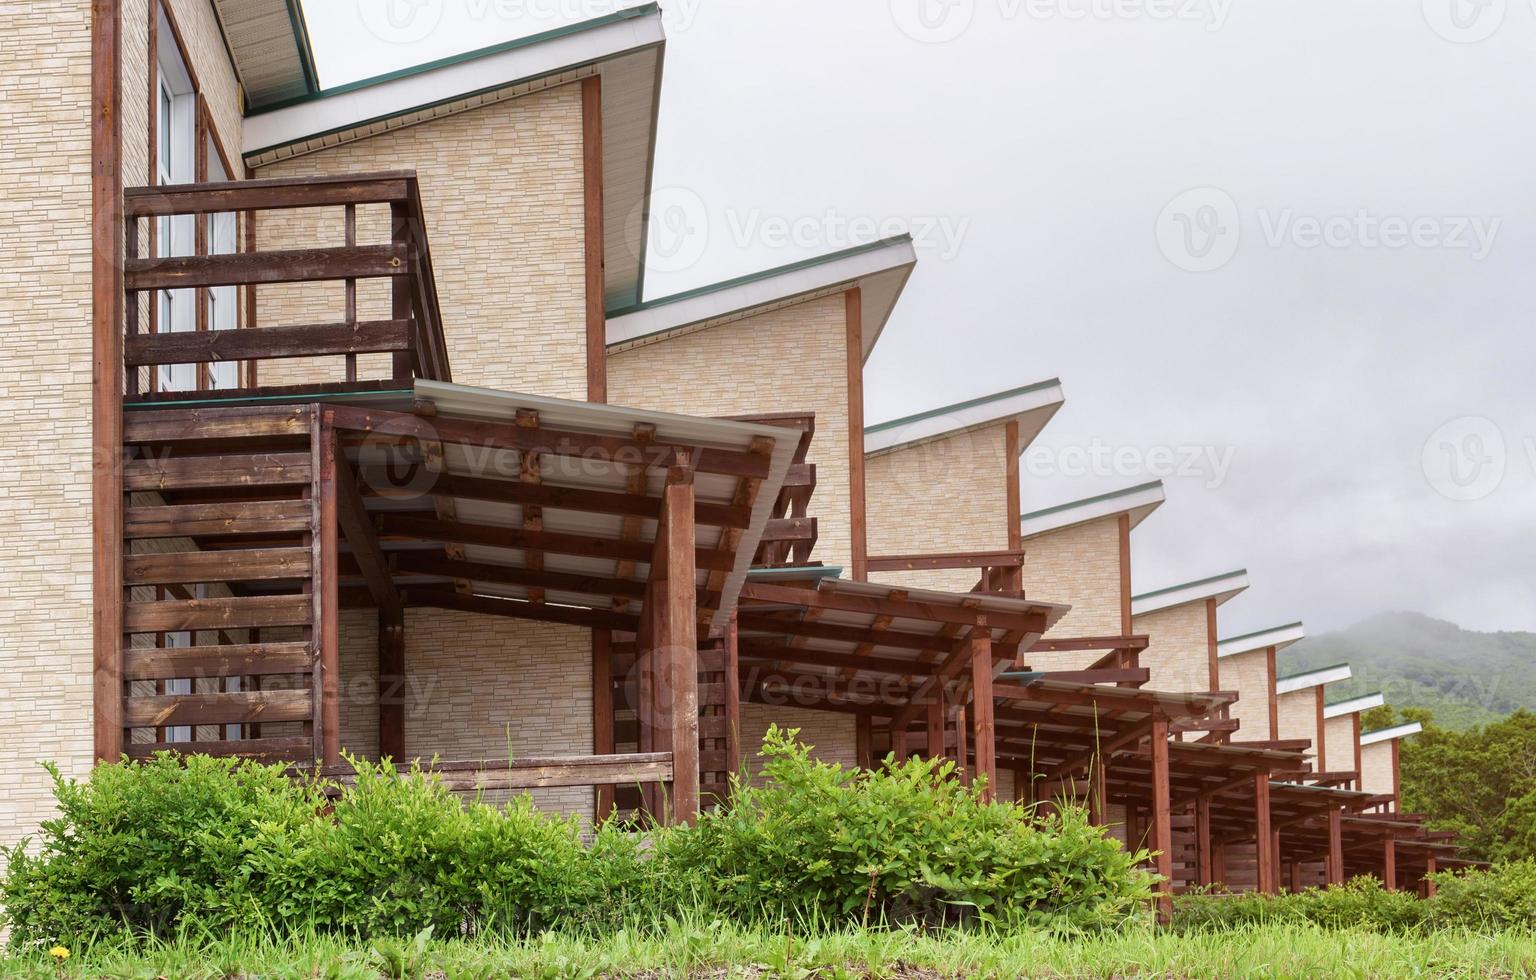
(721,949)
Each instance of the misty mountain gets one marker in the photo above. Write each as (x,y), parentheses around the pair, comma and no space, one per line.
(1466,678)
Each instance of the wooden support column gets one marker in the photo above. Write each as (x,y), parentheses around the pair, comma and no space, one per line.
(1219,864)
(603,741)
(326,596)
(863,737)
(859,541)
(1295,872)
(677,635)
(592,207)
(1335,846)
(1263,838)
(984,730)
(1204,870)
(1015,491)
(1321,745)
(733,755)
(392,684)
(1162,820)
(1274,695)
(1389,862)
(935,729)
(1125,574)
(1274,850)
(1431,866)
(962,749)
(108,237)
(1212,657)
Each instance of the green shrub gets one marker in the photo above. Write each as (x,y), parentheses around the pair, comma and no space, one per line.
(1503,897)
(212,846)
(1360,903)
(904,843)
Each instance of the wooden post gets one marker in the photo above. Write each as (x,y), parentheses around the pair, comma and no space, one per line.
(1125,573)
(1014,448)
(392,684)
(733,697)
(1212,658)
(1204,870)
(935,728)
(1275,852)
(403,362)
(1389,863)
(603,741)
(108,238)
(1264,844)
(592,208)
(1335,846)
(1274,695)
(863,736)
(1430,867)
(327,598)
(858,535)
(984,731)
(1162,820)
(1295,871)
(962,750)
(680,641)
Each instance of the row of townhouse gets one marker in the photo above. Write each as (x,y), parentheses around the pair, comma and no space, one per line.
(349,427)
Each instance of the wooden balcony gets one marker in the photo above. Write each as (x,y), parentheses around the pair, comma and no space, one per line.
(411,333)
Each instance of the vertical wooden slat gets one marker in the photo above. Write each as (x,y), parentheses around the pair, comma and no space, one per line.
(863,742)
(602,715)
(1389,862)
(350,287)
(1013,449)
(854,315)
(1321,765)
(935,726)
(327,597)
(1212,659)
(1335,846)
(984,730)
(1162,820)
(680,641)
(400,294)
(1203,868)
(592,249)
(1263,841)
(962,749)
(1274,695)
(1354,723)
(108,238)
(733,696)
(1431,866)
(1125,574)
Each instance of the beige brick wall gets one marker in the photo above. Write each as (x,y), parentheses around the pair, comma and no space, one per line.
(788,360)
(1178,653)
(1297,712)
(942,496)
(479,688)
(1248,675)
(1376,774)
(1340,744)
(1080,566)
(502,190)
(45,403)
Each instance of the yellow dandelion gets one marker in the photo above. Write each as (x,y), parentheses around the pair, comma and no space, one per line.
(59,953)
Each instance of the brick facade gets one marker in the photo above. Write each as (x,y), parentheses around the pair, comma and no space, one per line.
(1376,772)
(1297,712)
(1248,675)
(1178,651)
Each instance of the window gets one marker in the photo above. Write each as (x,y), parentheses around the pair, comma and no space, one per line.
(175,163)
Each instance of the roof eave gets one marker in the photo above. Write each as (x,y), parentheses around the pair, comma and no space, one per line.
(1138,502)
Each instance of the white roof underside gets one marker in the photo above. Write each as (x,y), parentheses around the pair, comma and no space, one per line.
(1388,734)
(627,54)
(1220,587)
(880,272)
(1031,408)
(1138,502)
(1280,637)
(1311,679)
(1354,706)
(265,48)
(585,473)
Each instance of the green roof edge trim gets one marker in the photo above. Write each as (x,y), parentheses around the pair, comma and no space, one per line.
(617,16)
(1378,731)
(1310,671)
(822,571)
(752,277)
(1090,500)
(961,406)
(1190,585)
(1249,636)
(301,41)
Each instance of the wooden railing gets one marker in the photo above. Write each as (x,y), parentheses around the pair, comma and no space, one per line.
(412,333)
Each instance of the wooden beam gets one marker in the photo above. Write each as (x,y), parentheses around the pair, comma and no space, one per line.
(1162,821)
(603,736)
(1321,764)
(1335,846)
(242,708)
(327,620)
(935,727)
(985,732)
(208,472)
(270,343)
(593,240)
(1273,694)
(518,539)
(858,533)
(286,193)
(1212,645)
(429,563)
(896,605)
(193,615)
(228,660)
(1013,449)
(263,268)
(108,237)
(190,567)
(1264,855)
(517,609)
(940,562)
(1389,862)
(1125,572)
(1203,866)
(355,523)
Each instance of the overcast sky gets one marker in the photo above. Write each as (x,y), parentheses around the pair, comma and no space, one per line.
(1283,248)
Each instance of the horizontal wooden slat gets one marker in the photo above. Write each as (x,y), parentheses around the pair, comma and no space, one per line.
(621,770)
(243,708)
(516,609)
(260,268)
(248,517)
(268,343)
(294,749)
(252,565)
(241,612)
(261,195)
(185,472)
(454,532)
(192,424)
(790,529)
(627,729)
(234,660)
